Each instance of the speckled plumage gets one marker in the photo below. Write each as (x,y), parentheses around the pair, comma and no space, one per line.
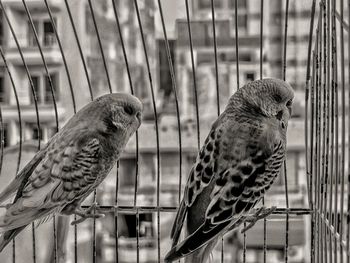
(72,164)
(237,164)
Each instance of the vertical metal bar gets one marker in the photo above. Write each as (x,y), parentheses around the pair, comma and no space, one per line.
(237,81)
(44,61)
(236,42)
(119,29)
(329,124)
(110,90)
(261,37)
(155,120)
(348,175)
(91,97)
(120,33)
(137,235)
(342,168)
(100,45)
(313,220)
(215,58)
(62,54)
(286,247)
(193,73)
(20,130)
(261,76)
(18,113)
(323,214)
(325,130)
(307,91)
(137,136)
(53,99)
(316,156)
(116,203)
(217,87)
(94,252)
(79,48)
(336,128)
(2,139)
(318,142)
(173,82)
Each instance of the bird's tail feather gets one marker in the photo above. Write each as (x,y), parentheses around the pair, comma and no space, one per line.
(178,223)
(202,255)
(23,219)
(6,237)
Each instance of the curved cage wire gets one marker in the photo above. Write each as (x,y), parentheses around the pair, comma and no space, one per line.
(183,59)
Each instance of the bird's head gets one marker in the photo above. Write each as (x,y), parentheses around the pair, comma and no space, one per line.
(269,97)
(124,112)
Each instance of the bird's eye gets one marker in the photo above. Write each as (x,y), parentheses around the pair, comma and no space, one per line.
(289,103)
(277,98)
(129,110)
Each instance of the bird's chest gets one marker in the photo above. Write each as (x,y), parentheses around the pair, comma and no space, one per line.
(106,165)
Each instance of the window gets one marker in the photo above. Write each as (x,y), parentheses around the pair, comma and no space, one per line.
(2,90)
(240,4)
(250,76)
(145,226)
(45,32)
(48,94)
(31,131)
(49,34)
(5,134)
(127,172)
(205,4)
(1,28)
(31,35)
(42,88)
(36,83)
(165,82)
(35,133)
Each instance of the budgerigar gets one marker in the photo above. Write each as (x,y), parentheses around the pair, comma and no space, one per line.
(237,164)
(71,165)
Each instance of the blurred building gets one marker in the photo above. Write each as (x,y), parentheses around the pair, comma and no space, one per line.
(26,39)
(203,45)
(83,87)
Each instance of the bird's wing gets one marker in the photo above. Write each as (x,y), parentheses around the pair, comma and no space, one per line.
(199,177)
(63,175)
(23,175)
(237,189)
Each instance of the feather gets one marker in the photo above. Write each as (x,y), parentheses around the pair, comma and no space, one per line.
(11,189)
(6,237)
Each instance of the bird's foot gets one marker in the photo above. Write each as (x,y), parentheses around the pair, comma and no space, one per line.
(260,213)
(87,213)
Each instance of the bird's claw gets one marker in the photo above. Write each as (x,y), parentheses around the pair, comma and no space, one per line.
(260,213)
(88,213)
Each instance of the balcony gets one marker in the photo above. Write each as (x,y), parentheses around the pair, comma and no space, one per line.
(28,113)
(48,43)
(202,36)
(34,4)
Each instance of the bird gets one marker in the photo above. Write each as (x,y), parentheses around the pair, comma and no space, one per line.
(241,156)
(71,165)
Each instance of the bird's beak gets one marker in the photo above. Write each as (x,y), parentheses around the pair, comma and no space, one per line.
(139,116)
(290,110)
